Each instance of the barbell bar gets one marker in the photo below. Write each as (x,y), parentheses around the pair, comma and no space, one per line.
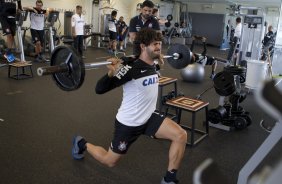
(68,69)
(64,68)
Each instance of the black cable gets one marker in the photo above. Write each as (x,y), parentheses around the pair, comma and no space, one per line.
(198,97)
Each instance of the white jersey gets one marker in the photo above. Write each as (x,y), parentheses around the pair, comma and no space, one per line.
(78,23)
(112,25)
(238,30)
(140,91)
(37,19)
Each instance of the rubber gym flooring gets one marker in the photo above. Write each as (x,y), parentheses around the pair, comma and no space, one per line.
(40,121)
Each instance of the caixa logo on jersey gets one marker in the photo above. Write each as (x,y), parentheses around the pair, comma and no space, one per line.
(150,81)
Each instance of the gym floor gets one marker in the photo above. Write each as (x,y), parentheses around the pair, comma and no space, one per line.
(40,121)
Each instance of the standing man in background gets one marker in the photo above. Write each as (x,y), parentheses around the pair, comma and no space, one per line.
(144,20)
(122,31)
(77,23)
(235,43)
(8,12)
(37,19)
(113,32)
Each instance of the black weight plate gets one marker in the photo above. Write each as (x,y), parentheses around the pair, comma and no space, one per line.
(240,123)
(216,115)
(167,24)
(74,77)
(242,78)
(169,17)
(224,83)
(176,24)
(235,70)
(184,56)
(248,119)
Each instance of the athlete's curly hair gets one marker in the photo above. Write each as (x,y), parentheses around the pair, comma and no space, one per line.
(148,35)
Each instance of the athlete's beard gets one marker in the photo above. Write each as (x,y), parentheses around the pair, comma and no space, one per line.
(154,54)
(146,16)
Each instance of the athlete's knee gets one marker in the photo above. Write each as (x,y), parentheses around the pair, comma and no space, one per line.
(111,163)
(38,43)
(181,136)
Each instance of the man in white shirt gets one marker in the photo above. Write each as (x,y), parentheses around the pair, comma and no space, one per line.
(37,19)
(112,23)
(235,43)
(78,30)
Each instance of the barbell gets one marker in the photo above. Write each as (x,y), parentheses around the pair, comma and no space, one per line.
(68,69)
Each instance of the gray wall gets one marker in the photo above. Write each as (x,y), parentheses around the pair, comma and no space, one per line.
(209,25)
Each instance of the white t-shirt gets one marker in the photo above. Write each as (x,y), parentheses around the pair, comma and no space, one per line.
(37,19)
(238,30)
(112,25)
(78,22)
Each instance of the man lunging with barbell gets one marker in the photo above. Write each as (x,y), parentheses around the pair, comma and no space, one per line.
(136,115)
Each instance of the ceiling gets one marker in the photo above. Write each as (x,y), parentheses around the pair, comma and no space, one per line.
(278,2)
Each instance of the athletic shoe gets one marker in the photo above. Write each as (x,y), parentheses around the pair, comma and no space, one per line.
(42,57)
(10,57)
(212,76)
(164,182)
(37,59)
(77,153)
(83,57)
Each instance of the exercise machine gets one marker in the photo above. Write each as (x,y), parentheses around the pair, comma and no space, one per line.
(21,17)
(229,113)
(208,172)
(50,32)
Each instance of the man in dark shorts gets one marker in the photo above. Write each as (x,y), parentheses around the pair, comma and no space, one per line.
(137,114)
(37,19)
(122,31)
(113,33)
(77,24)
(203,58)
(8,12)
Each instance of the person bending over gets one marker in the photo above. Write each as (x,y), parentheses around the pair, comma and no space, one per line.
(8,10)
(203,58)
(137,114)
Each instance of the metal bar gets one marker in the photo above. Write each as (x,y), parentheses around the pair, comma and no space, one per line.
(97,64)
(52,69)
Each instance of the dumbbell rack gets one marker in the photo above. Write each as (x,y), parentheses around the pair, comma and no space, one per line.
(236,116)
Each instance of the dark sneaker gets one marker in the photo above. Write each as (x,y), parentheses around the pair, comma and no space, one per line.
(42,57)
(77,153)
(164,182)
(37,59)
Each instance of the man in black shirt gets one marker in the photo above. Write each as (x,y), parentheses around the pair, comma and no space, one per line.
(137,114)
(144,20)
(8,12)
(268,43)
